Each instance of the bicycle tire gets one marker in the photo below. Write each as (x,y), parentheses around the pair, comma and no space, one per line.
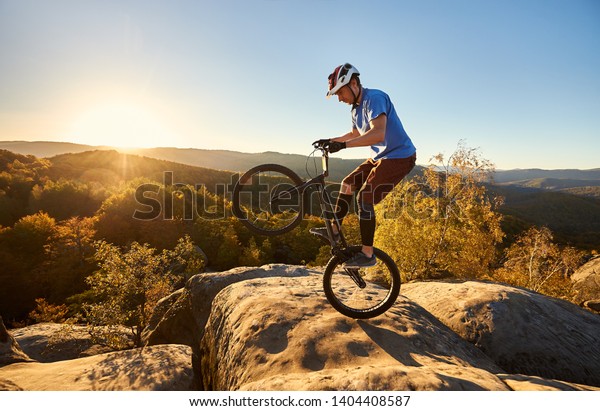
(258,216)
(376,298)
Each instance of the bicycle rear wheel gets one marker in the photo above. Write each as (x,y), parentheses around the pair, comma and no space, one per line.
(265,199)
(362,293)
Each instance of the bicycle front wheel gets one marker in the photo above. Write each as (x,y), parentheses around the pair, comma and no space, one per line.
(365,292)
(267,201)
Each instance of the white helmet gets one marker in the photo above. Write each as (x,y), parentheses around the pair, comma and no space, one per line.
(340,77)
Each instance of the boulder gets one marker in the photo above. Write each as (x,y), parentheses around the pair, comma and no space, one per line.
(271,328)
(518,382)
(522,331)
(586,284)
(156,368)
(180,317)
(50,342)
(10,351)
(592,305)
(282,334)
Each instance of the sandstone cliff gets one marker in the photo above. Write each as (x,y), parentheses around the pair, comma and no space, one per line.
(271,328)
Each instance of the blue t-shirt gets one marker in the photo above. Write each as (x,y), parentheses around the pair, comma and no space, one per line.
(397,144)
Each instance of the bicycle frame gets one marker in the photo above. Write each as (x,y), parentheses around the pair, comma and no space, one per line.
(327,206)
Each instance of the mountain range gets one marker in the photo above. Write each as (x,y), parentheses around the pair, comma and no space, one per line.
(566,201)
(213,159)
(560,179)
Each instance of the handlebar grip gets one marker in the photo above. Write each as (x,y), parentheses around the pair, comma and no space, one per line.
(323,143)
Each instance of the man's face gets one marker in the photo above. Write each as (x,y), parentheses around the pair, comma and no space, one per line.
(345,95)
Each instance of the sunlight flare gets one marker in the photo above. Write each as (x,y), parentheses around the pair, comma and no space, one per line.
(120,125)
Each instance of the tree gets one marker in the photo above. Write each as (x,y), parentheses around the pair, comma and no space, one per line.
(229,250)
(69,258)
(18,175)
(65,198)
(128,286)
(45,312)
(251,255)
(22,252)
(30,235)
(442,222)
(535,262)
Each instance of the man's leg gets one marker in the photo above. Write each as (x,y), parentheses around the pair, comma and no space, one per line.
(349,184)
(366,219)
(342,205)
(380,181)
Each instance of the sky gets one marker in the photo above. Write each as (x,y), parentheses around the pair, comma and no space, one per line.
(520,80)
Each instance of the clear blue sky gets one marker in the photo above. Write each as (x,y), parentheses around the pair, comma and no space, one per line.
(518,79)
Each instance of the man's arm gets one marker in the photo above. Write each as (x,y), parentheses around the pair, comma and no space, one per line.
(348,136)
(375,135)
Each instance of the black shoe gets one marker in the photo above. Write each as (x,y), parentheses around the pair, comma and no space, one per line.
(321,232)
(360,260)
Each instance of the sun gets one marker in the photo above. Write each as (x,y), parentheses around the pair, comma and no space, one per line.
(120,125)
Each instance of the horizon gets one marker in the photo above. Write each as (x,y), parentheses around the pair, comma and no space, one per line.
(139,151)
(516,80)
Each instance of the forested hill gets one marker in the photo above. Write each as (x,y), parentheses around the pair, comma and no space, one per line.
(112,166)
(563,179)
(53,210)
(213,159)
(573,218)
(507,176)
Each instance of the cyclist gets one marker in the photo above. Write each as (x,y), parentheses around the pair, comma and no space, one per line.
(375,123)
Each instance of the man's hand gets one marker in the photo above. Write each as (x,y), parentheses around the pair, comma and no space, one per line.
(335,146)
(330,145)
(324,142)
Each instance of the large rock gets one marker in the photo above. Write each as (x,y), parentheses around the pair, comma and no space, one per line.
(10,351)
(522,331)
(50,342)
(586,284)
(160,367)
(282,334)
(518,382)
(272,328)
(180,318)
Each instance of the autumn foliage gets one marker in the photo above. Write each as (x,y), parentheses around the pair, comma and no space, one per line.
(76,243)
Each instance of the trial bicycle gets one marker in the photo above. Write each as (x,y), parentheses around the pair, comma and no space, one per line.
(271,199)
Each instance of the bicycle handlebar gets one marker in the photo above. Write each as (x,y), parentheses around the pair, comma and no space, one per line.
(322,145)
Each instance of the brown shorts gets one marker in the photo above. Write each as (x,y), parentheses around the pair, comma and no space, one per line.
(375,179)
